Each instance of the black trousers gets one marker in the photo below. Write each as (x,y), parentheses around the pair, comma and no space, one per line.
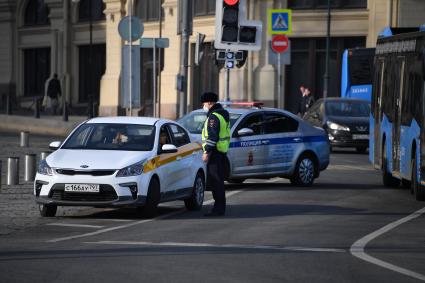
(215,168)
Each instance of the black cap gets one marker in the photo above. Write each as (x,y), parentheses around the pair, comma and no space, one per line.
(209,97)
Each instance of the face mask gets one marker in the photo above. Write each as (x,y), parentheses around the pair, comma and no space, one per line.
(206,109)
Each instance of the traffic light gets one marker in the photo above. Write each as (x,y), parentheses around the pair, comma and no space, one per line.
(233,30)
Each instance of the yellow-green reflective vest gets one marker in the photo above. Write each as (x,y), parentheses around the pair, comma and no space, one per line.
(223,136)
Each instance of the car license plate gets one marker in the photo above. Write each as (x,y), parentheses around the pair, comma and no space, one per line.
(82,188)
(360,137)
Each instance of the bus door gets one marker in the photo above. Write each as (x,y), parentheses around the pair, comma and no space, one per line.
(398,112)
(377,106)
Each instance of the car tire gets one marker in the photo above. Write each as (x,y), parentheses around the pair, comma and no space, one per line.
(304,172)
(149,210)
(387,178)
(236,181)
(417,188)
(47,210)
(195,201)
(361,149)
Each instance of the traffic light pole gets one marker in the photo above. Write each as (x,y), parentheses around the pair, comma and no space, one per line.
(184,58)
(226,91)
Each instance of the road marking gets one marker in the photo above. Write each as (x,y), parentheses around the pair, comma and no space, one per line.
(75,225)
(227,246)
(133,223)
(357,249)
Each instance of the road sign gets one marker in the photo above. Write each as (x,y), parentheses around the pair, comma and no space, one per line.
(159,42)
(279,21)
(130,77)
(130,24)
(285,57)
(280,43)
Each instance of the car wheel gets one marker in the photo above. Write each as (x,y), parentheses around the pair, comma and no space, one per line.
(47,210)
(418,190)
(195,201)
(152,200)
(361,149)
(236,181)
(304,172)
(387,178)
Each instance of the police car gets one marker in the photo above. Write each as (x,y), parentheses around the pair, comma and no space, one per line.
(122,161)
(268,142)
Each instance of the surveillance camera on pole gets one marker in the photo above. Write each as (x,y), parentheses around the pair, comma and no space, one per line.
(198,47)
(233,31)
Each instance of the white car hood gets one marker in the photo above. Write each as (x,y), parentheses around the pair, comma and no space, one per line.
(94,159)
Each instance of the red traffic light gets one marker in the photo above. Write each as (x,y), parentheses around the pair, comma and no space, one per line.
(231,2)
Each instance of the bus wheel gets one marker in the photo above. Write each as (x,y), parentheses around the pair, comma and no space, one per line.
(387,178)
(418,190)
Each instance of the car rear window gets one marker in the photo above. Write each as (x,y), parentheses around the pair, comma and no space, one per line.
(127,137)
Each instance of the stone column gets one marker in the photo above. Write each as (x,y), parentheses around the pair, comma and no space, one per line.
(264,74)
(169,94)
(110,83)
(8,48)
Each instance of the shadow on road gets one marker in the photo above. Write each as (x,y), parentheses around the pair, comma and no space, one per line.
(315,187)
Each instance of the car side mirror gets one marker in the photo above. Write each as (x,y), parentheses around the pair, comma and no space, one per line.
(168,148)
(55,145)
(245,132)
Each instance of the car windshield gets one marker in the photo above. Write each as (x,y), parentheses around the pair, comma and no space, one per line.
(194,122)
(348,108)
(127,137)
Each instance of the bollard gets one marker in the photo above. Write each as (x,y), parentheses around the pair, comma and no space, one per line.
(25,139)
(8,104)
(44,154)
(65,112)
(13,171)
(30,167)
(36,107)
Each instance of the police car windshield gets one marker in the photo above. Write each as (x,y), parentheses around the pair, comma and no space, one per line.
(194,122)
(127,137)
(348,108)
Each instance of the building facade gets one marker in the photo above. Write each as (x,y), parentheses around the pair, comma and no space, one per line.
(43,37)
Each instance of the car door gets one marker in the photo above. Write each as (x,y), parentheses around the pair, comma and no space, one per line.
(167,169)
(246,154)
(284,142)
(184,159)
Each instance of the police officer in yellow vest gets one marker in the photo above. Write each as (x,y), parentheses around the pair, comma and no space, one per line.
(215,143)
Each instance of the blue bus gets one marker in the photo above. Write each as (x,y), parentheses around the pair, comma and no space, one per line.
(357,73)
(397,122)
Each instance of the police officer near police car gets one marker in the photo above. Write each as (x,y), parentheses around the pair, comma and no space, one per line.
(215,143)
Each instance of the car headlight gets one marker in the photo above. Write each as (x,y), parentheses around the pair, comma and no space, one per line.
(132,170)
(44,168)
(335,126)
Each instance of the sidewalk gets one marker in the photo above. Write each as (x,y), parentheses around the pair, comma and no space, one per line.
(46,125)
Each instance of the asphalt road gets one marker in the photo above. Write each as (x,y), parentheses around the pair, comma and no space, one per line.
(343,229)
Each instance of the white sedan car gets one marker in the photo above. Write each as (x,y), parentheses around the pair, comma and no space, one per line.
(122,161)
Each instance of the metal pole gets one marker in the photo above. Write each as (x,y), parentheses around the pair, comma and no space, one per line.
(44,154)
(30,167)
(279,79)
(184,58)
(154,77)
(9,104)
(13,171)
(159,59)
(90,106)
(1,172)
(24,139)
(328,38)
(226,91)
(130,12)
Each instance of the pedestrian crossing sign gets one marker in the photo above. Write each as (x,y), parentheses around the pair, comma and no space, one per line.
(280,21)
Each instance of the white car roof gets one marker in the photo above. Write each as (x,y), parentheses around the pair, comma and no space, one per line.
(124,120)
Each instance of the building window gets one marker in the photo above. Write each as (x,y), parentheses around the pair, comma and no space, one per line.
(97,8)
(91,71)
(323,4)
(36,70)
(36,13)
(148,10)
(204,7)
(308,61)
